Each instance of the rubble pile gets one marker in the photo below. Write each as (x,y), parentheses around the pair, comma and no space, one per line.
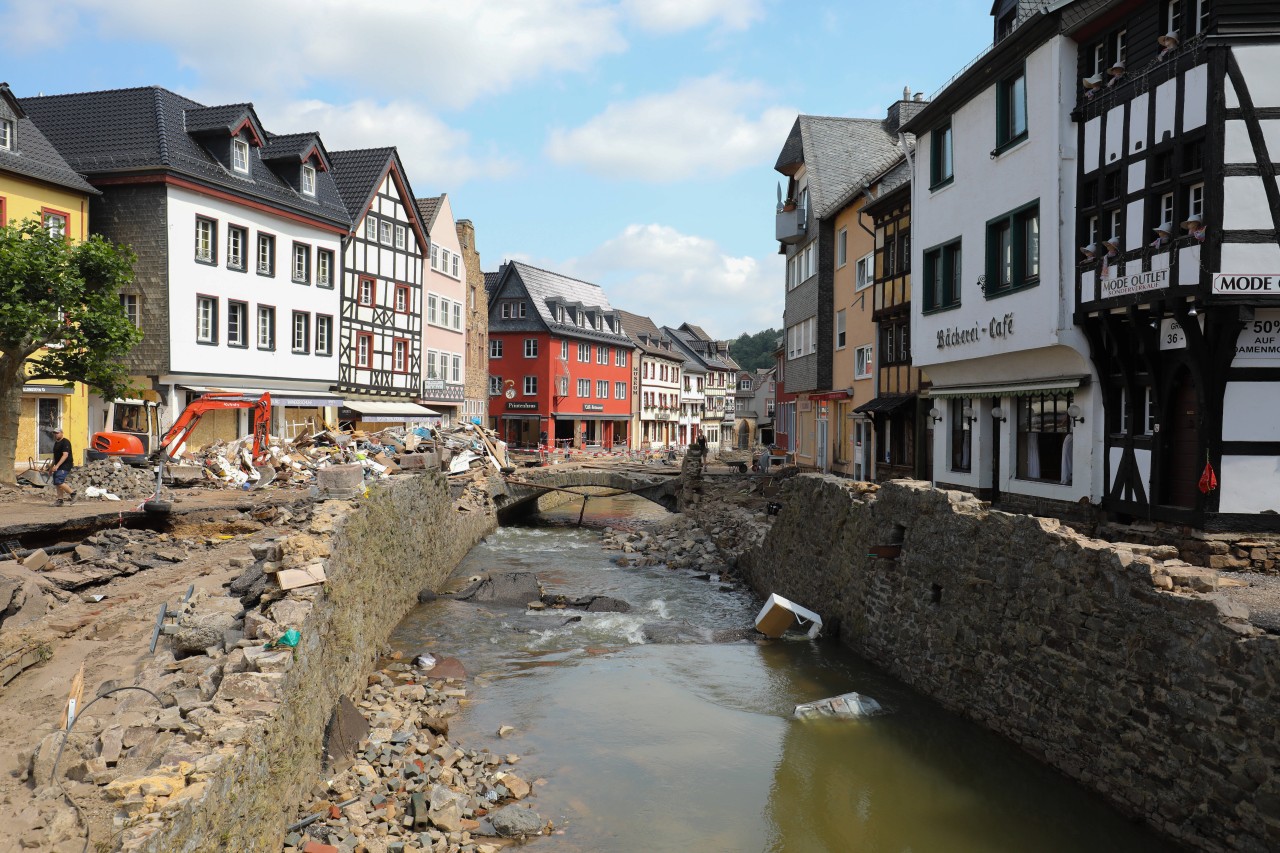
(410,787)
(106,478)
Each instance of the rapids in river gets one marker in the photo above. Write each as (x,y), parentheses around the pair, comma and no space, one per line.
(691,746)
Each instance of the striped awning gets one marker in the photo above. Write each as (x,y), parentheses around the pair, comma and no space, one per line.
(1023,388)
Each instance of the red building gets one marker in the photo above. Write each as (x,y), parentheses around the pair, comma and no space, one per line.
(559,362)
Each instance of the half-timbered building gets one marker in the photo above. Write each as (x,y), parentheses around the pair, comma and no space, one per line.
(1177,105)
(380,351)
(656,381)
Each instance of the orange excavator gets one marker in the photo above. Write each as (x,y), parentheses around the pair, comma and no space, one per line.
(139,447)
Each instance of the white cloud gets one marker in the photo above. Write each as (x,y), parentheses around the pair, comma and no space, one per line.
(440,51)
(669,16)
(437,157)
(673,277)
(29,28)
(711,126)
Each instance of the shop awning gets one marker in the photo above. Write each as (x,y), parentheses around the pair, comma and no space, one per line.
(279,396)
(1010,389)
(380,412)
(885,404)
(831,395)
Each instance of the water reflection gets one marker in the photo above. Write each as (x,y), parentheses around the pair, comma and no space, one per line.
(650,747)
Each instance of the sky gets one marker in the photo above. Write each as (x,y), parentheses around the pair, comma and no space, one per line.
(629,143)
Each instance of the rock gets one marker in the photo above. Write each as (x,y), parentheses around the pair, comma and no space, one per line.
(518,787)
(159,784)
(111,744)
(246,580)
(511,588)
(258,626)
(515,821)
(426,595)
(346,728)
(289,613)
(608,604)
(251,686)
(199,631)
(445,809)
(506,731)
(87,553)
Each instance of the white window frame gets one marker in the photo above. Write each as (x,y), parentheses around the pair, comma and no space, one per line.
(324,335)
(1195,199)
(131,303)
(432,371)
(842,247)
(401,299)
(384,232)
(840,331)
(301,263)
(584,353)
(399,355)
(530,347)
(237,320)
(308,179)
(1166,208)
(584,388)
(457,368)
(495,348)
(364,349)
(266,254)
(207,319)
(619,357)
(863,362)
(237,237)
(602,354)
(400,236)
(457,316)
(433,309)
(531,386)
(454,265)
(240,156)
(564,349)
(366,285)
(324,268)
(371,228)
(301,327)
(206,233)
(602,389)
(6,134)
(619,390)
(865,275)
(266,327)
(495,386)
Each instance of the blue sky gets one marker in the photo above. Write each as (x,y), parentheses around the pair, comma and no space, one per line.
(629,143)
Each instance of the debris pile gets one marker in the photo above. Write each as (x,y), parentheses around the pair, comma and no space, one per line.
(111,479)
(411,787)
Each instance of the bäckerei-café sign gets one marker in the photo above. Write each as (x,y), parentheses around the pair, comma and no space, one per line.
(1241,284)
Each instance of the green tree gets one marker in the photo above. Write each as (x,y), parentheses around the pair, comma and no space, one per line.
(755,351)
(60,318)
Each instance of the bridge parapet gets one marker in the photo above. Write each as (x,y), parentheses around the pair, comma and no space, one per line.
(522,489)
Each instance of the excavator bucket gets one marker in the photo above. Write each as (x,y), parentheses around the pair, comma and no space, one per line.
(266,475)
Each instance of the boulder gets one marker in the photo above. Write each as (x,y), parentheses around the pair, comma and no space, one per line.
(515,822)
(199,631)
(346,728)
(511,588)
(607,604)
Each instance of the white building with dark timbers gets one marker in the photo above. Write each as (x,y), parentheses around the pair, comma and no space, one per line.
(1178,277)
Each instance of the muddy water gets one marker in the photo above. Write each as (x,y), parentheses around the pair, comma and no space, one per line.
(690,746)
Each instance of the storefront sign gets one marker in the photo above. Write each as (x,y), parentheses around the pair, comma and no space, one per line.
(522,407)
(997,328)
(593,407)
(1138,282)
(1240,284)
(1171,335)
(1260,338)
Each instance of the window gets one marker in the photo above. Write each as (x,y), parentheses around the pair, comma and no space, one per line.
(401,234)
(1111,185)
(840,333)
(266,254)
(54,223)
(530,347)
(842,247)
(384,233)
(564,350)
(1119,45)
(602,355)
(206,239)
(207,319)
(495,348)
(862,362)
(1193,156)
(454,261)
(435,257)
(802,265)
(961,417)
(1202,15)
(366,290)
(324,334)
(942,277)
(457,368)
(371,228)
(530,386)
(308,179)
(432,371)
(620,357)
(364,349)
(400,356)
(584,353)
(240,156)
(1011,110)
(895,343)
(1100,58)
(129,302)
(1013,251)
(1044,438)
(584,387)
(324,268)
(495,386)
(602,389)
(266,327)
(6,134)
(301,263)
(457,316)
(301,332)
(433,309)
(518,310)
(237,322)
(940,162)
(619,390)
(236,239)
(403,299)
(1195,200)
(1166,209)
(1173,17)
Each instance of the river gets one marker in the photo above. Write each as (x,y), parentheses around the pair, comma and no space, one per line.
(693,747)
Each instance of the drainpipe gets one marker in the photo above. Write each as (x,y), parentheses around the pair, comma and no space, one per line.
(867,192)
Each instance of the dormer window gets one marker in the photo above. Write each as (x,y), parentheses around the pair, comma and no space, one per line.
(308,179)
(240,156)
(6,134)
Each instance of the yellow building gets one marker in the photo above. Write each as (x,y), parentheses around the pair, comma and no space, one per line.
(853,336)
(35,182)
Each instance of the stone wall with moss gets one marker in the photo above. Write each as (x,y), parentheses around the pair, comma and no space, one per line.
(406,536)
(1093,657)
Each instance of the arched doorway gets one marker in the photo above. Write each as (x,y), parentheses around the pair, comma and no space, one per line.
(1183,455)
(744,436)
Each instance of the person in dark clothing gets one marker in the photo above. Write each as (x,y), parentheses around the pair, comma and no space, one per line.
(62,466)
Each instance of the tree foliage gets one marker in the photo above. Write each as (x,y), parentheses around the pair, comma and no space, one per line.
(61,301)
(755,351)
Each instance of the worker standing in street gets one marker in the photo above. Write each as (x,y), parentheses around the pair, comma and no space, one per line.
(62,466)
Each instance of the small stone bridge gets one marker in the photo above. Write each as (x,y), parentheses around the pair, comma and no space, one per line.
(524,487)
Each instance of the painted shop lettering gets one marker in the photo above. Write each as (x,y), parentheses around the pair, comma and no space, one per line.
(1138,282)
(1240,283)
(997,327)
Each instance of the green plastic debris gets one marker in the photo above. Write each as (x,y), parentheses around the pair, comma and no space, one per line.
(290,639)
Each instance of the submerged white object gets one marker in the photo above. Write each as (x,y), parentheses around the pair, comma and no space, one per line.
(779,614)
(845,705)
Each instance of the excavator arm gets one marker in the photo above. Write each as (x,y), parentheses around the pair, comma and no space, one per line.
(175,439)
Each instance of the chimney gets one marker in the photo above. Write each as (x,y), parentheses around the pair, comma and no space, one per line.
(902,111)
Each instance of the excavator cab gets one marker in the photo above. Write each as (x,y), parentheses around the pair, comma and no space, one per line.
(132,434)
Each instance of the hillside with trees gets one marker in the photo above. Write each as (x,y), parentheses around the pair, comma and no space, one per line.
(755,351)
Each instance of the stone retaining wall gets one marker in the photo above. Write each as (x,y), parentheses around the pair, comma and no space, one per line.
(1082,652)
(406,536)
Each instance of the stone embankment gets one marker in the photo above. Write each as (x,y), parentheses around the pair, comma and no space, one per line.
(243,728)
(1121,665)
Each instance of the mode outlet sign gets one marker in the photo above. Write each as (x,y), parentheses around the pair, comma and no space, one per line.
(1240,284)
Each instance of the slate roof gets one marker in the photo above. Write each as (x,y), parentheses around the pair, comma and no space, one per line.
(641,330)
(428,208)
(358,173)
(545,287)
(291,146)
(894,178)
(132,130)
(704,349)
(840,155)
(491,280)
(225,117)
(32,156)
